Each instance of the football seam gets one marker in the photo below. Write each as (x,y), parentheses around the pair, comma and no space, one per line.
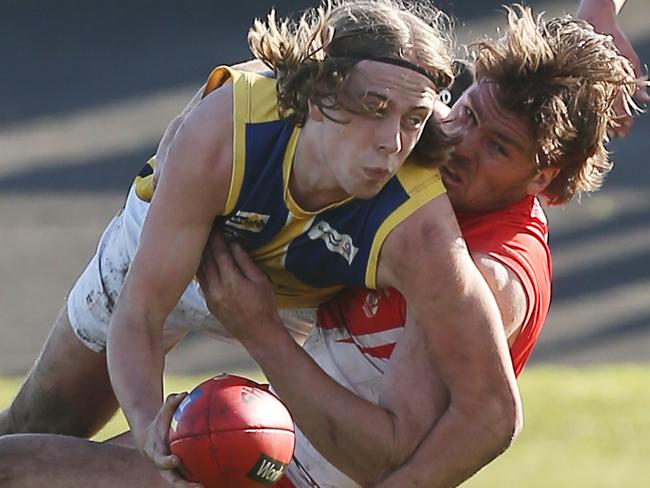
(264,429)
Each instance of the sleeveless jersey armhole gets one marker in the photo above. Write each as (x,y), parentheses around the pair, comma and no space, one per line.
(422,184)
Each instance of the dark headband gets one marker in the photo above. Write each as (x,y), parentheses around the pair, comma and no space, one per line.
(403,63)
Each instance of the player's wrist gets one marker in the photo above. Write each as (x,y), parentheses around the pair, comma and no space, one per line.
(275,343)
(140,426)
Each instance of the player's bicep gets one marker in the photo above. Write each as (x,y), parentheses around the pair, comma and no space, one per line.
(192,191)
(508,291)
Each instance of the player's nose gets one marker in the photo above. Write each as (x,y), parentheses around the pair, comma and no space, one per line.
(468,143)
(388,135)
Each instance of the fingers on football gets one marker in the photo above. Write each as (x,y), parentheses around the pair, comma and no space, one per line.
(167,462)
(164,417)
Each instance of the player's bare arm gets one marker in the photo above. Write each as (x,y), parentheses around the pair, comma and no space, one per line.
(170,133)
(431,397)
(508,292)
(354,434)
(602,15)
(364,441)
(452,310)
(191,192)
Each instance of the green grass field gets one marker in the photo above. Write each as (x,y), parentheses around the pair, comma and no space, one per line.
(584,428)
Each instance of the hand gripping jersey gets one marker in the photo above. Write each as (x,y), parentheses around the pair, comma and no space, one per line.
(308,255)
(357,330)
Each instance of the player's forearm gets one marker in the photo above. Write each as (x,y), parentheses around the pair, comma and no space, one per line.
(135,365)
(462,337)
(484,414)
(353,434)
(479,421)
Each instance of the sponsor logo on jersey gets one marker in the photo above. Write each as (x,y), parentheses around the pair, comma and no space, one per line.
(335,242)
(249,221)
(267,470)
(370,304)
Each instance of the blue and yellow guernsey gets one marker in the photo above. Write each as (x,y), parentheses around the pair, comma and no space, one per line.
(308,256)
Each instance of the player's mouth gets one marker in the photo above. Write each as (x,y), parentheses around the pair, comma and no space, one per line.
(377,174)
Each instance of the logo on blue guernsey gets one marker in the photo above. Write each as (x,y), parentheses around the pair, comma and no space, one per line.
(250,221)
(335,242)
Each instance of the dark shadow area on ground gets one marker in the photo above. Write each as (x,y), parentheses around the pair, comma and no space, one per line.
(590,339)
(618,270)
(70,55)
(102,175)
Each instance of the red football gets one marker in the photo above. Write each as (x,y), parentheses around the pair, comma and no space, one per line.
(232,432)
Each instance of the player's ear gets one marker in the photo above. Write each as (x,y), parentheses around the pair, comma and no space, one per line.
(315,112)
(541,180)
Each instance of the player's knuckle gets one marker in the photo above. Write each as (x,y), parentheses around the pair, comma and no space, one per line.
(218,294)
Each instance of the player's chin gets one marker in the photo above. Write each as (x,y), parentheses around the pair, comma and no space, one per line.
(368,190)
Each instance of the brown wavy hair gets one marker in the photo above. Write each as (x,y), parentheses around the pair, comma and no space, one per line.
(564,78)
(312,56)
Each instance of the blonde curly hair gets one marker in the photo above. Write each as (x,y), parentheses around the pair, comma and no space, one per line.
(563,77)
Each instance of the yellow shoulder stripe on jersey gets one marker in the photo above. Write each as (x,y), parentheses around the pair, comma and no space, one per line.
(254,101)
(144,182)
(220,76)
(423,185)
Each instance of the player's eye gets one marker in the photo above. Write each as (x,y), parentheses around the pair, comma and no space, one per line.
(374,106)
(498,147)
(467,112)
(415,121)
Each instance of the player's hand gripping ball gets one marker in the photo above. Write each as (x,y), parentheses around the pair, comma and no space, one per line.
(231,432)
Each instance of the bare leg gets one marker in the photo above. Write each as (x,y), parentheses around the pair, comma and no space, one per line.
(68,391)
(38,460)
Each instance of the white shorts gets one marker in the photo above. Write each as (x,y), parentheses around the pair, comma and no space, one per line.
(93,297)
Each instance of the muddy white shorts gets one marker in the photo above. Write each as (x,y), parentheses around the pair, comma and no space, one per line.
(93,297)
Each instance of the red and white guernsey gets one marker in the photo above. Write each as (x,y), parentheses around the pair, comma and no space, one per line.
(357,330)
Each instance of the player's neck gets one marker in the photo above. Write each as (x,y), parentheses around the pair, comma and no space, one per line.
(312,184)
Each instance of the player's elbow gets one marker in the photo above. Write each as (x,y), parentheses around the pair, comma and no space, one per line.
(500,417)
(377,465)
(380,459)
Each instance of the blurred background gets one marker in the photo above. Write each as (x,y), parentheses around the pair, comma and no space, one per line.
(86,91)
